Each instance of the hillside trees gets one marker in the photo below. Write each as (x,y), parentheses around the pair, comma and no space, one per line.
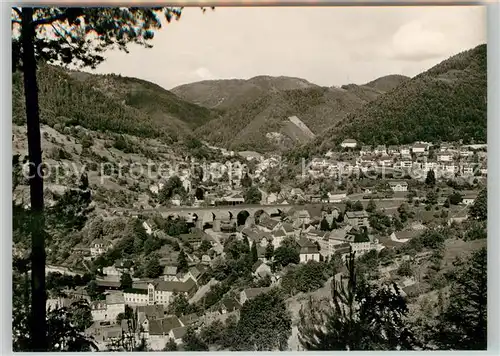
(463,325)
(357,317)
(253,195)
(265,324)
(153,268)
(125,281)
(182,263)
(479,210)
(430,180)
(62,35)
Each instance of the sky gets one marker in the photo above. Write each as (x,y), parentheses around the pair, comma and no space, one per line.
(325,45)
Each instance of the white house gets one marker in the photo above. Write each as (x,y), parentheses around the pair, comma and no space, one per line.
(386,161)
(186,183)
(444,157)
(98,247)
(108,310)
(308,251)
(177,334)
(419,148)
(278,237)
(450,168)
(468,169)
(98,311)
(111,271)
(349,143)
(398,186)
(337,197)
(136,297)
(406,164)
(465,152)
(365,150)
(176,200)
(158,292)
(468,199)
(361,247)
(155,188)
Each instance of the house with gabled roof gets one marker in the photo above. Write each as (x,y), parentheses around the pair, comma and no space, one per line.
(309,251)
(398,186)
(229,305)
(278,237)
(288,229)
(251,293)
(195,273)
(261,269)
(419,148)
(257,236)
(405,150)
(380,150)
(444,156)
(99,247)
(268,224)
(357,218)
(392,149)
(170,273)
(177,334)
(158,291)
(159,331)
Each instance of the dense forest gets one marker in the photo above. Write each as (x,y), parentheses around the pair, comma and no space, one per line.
(445,103)
(109,103)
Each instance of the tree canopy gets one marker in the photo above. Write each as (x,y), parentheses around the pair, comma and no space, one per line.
(357,317)
(265,323)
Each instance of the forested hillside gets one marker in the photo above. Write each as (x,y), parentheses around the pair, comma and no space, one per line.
(109,103)
(446,103)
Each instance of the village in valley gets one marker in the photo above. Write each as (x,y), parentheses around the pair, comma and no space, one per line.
(284,231)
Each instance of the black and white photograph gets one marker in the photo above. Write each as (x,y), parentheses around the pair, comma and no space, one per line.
(279,178)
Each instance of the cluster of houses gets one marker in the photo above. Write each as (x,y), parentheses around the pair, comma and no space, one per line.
(151,323)
(446,160)
(303,225)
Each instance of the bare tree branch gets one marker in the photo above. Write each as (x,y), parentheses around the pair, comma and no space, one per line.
(18,11)
(49,20)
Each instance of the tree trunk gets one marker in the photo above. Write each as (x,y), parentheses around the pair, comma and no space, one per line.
(38,328)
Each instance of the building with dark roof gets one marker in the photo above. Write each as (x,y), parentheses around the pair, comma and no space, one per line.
(229,305)
(357,218)
(251,293)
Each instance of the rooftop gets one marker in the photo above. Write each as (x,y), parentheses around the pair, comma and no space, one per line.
(163,326)
(356,214)
(253,292)
(115,298)
(179,333)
